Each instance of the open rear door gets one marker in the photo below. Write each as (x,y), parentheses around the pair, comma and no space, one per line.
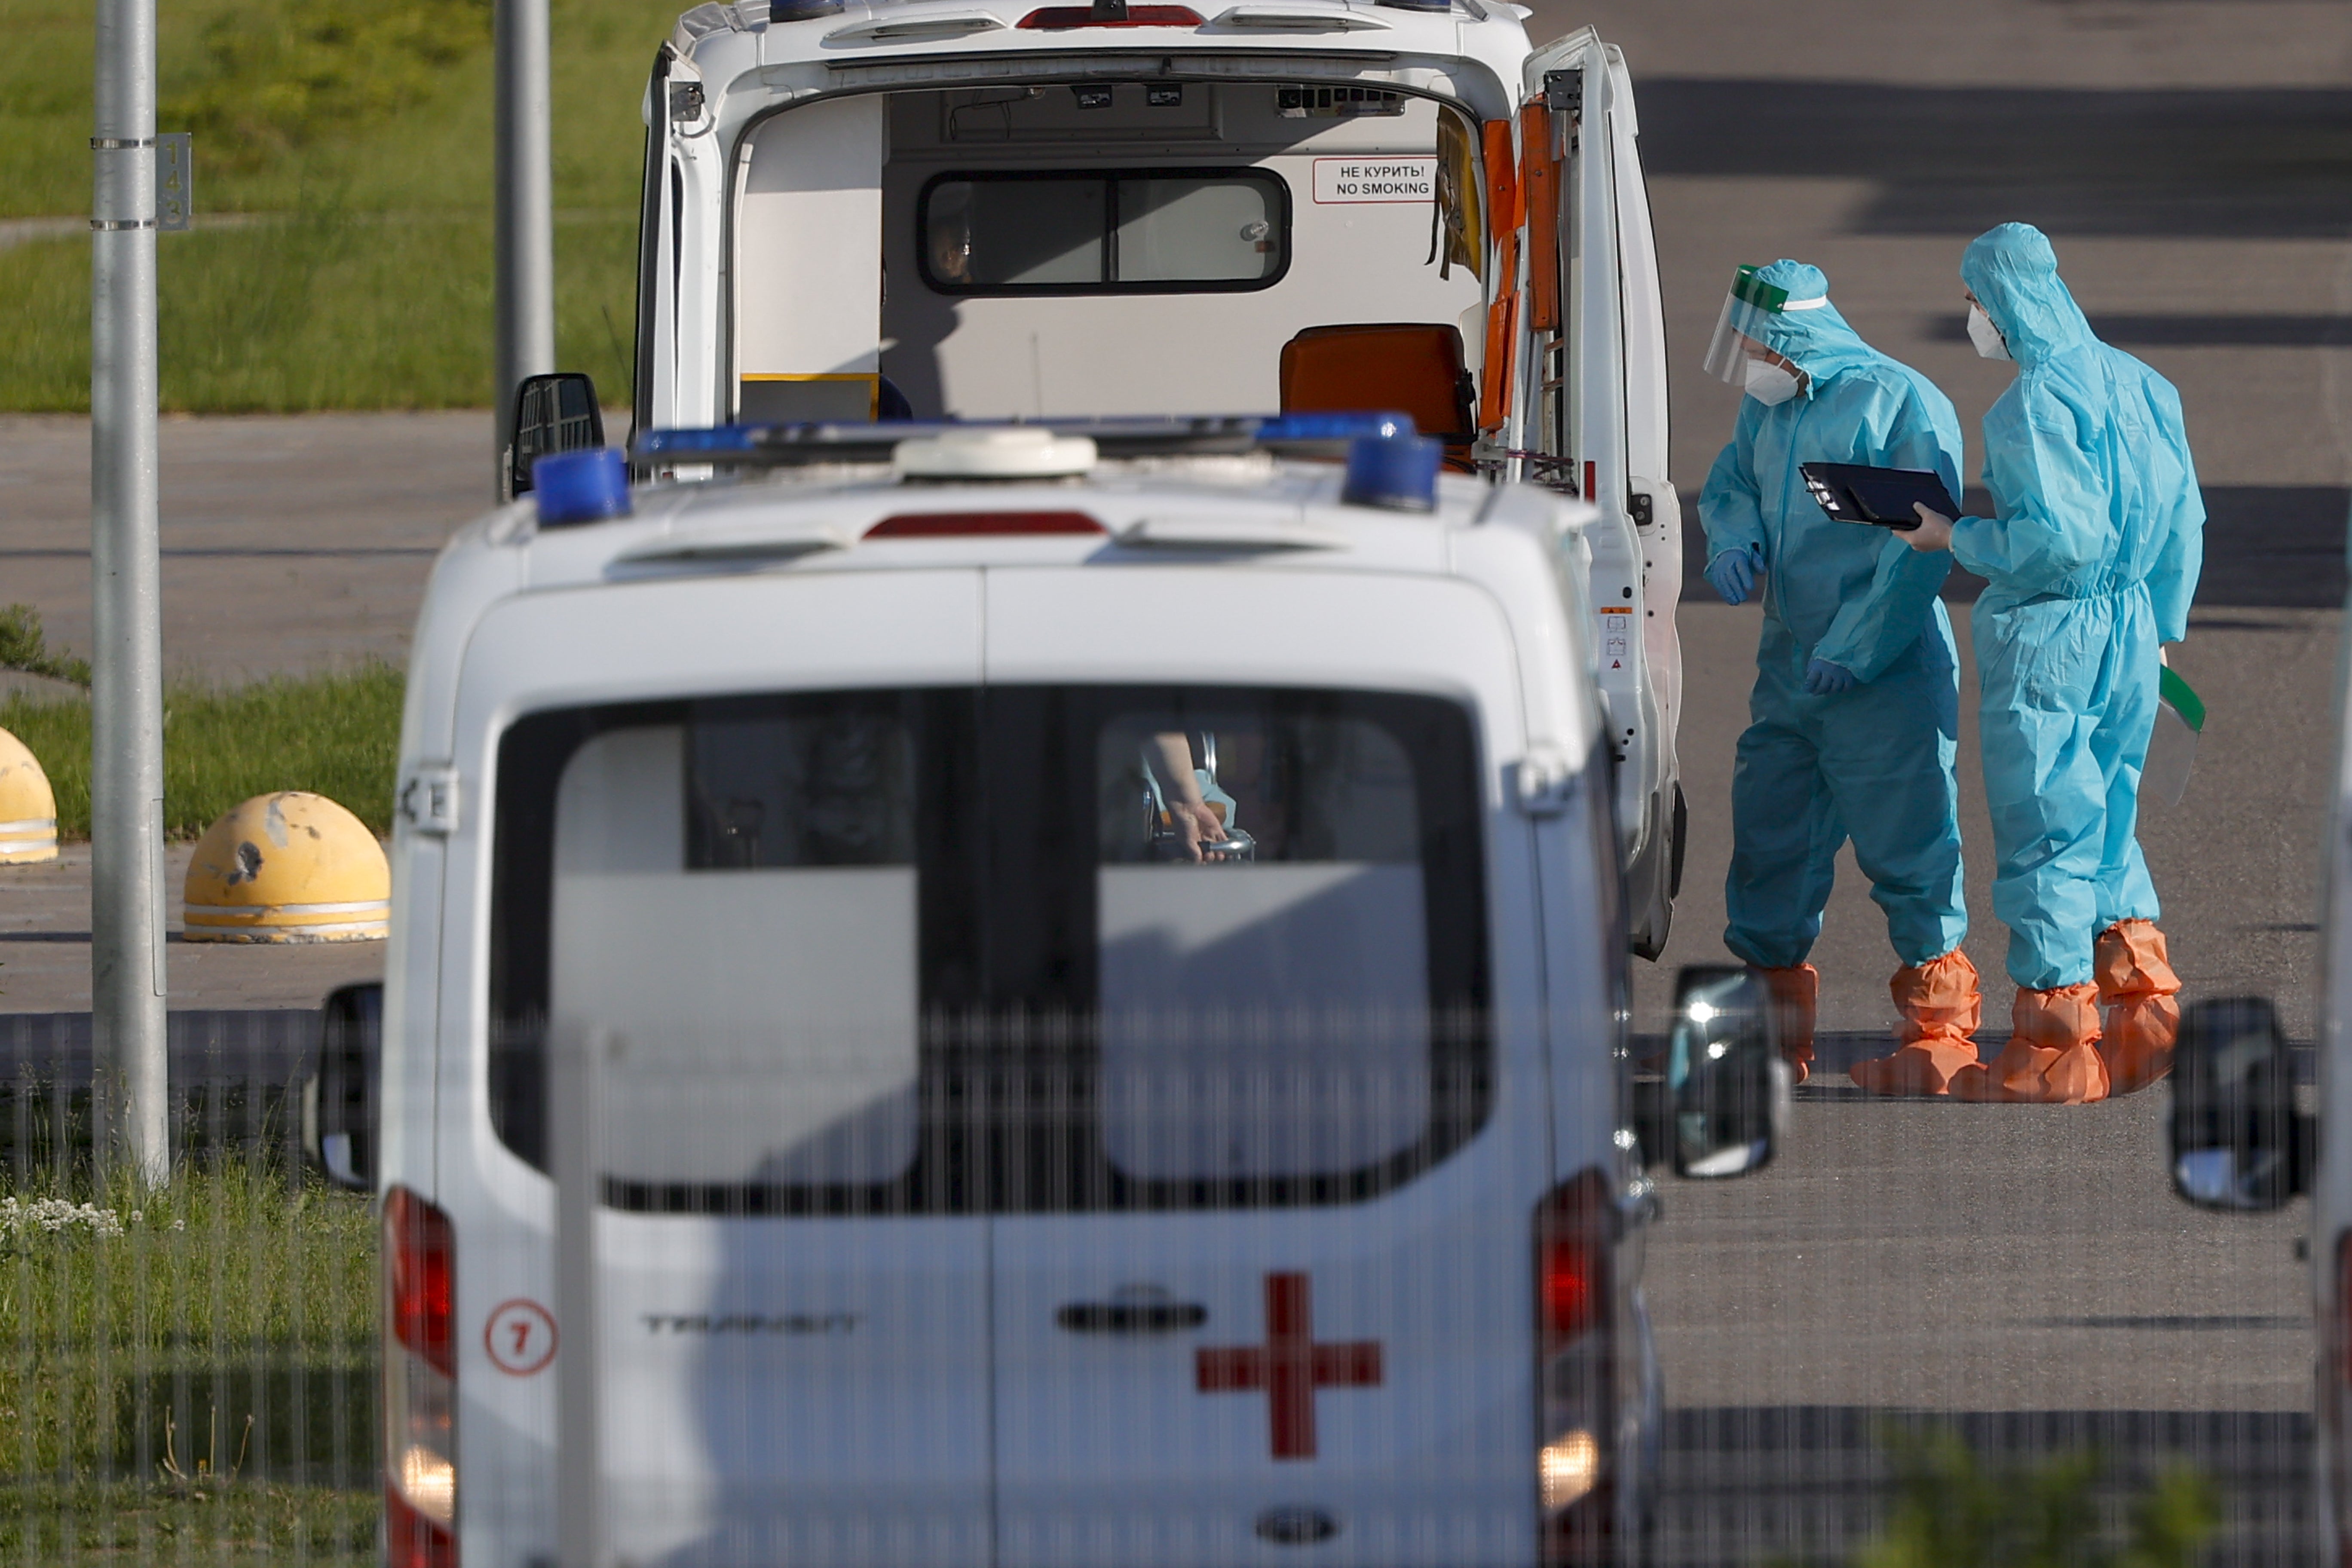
(1657,510)
(1595,392)
(808,265)
(653,400)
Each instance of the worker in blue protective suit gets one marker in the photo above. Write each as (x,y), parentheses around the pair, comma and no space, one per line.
(2091,555)
(1854,714)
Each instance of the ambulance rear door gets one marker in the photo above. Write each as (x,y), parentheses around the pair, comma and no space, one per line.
(1647,428)
(1595,391)
(725,838)
(1266,1287)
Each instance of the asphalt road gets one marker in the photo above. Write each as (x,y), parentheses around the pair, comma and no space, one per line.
(287,543)
(2019,1273)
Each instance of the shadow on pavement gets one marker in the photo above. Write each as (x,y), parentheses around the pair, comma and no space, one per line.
(2191,332)
(2238,163)
(2271,546)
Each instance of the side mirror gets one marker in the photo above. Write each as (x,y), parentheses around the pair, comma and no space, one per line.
(556,413)
(2238,1141)
(1727,1087)
(338,1104)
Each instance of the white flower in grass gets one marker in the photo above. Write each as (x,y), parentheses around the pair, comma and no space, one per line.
(53,1215)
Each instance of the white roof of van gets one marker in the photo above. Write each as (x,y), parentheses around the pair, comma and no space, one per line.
(1252,517)
(1472,51)
(1248,511)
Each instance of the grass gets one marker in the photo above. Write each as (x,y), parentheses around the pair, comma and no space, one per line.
(328,306)
(200,1382)
(337,735)
(25,645)
(1953,1511)
(361,139)
(146,1523)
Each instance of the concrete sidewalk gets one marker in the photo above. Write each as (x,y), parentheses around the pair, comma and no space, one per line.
(288,542)
(45,949)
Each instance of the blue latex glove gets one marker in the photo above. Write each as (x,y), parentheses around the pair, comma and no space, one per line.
(1823,679)
(1733,573)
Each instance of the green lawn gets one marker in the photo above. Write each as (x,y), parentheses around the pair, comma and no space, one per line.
(245,1525)
(188,1374)
(360,140)
(336,733)
(333,308)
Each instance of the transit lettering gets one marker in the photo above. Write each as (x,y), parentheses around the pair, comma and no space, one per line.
(750,1322)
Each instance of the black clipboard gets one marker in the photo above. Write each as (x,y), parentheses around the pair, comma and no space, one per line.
(1876,497)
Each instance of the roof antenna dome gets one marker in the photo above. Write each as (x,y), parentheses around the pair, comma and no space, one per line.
(1002,452)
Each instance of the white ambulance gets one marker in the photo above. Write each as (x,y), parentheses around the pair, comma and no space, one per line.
(987,209)
(1090,965)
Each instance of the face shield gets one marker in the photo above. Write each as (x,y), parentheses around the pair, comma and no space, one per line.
(1747,309)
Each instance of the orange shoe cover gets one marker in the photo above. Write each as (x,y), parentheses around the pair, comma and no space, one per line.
(2053,1056)
(1941,1006)
(1796,996)
(2138,988)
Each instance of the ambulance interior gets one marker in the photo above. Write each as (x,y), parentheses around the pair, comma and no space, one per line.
(1104,248)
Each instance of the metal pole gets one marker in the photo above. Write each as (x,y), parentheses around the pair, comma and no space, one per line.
(526,222)
(126,816)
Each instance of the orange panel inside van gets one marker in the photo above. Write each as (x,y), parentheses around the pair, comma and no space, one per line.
(1412,368)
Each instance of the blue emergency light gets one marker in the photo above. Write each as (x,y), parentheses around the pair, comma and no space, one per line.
(795,446)
(1393,468)
(690,442)
(580,487)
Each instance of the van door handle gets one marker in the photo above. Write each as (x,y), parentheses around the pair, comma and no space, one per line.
(1131,1317)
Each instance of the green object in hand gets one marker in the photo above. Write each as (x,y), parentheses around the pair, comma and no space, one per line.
(2172,742)
(2175,694)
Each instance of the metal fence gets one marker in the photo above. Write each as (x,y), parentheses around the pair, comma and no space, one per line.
(2020,1278)
(186,1374)
(1921,1316)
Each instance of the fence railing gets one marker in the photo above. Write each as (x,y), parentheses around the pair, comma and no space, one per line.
(187,1374)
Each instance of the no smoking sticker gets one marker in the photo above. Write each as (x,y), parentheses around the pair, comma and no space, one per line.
(1375,180)
(520,1338)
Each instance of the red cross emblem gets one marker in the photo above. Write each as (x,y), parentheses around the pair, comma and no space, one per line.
(1290,1366)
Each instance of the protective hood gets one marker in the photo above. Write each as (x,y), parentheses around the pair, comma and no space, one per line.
(1807,332)
(1857,597)
(2014,273)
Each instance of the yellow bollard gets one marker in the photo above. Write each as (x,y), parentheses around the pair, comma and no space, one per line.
(28,807)
(289,866)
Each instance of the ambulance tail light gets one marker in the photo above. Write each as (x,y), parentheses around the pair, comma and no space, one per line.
(420,1384)
(1576,1371)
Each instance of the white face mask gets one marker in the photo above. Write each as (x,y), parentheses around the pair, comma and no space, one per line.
(1769,384)
(1987,337)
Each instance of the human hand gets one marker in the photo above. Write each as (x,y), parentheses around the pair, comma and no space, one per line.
(1196,824)
(1733,573)
(1823,679)
(1935,529)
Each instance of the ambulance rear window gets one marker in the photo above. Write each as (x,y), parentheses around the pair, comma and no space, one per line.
(1010,950)
(1125,231)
